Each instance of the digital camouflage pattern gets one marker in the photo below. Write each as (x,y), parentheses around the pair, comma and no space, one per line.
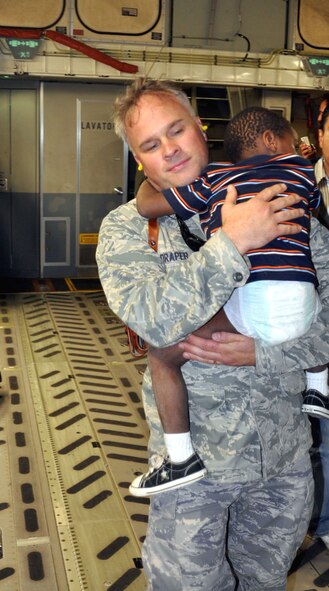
(163,307)
(246,422)
(188,528)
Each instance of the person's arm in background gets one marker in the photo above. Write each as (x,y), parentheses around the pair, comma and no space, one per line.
(308,151)
(164,305)
(307,351)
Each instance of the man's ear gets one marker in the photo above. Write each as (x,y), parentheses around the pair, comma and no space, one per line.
(320,138)
(269,140)
(139,164)
(203,128)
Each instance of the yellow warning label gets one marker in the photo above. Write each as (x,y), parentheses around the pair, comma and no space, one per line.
(88,238)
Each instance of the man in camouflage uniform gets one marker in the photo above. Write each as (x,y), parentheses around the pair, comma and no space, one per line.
(241,526)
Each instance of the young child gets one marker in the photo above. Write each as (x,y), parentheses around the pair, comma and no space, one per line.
(279,301)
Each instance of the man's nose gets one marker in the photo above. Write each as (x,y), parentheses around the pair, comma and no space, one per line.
(169,148)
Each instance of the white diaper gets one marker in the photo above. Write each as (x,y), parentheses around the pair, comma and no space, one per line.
(273,311)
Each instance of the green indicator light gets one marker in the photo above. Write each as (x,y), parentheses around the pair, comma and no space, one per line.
(24,49)
(319,65)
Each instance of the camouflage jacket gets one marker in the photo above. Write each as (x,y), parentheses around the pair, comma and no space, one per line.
(246,422)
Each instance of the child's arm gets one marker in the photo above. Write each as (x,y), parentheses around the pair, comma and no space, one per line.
(151,203)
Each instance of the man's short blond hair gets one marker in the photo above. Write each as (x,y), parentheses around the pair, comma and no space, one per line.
(134,92)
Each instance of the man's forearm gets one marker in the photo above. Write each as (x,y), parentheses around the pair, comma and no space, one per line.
(164,303)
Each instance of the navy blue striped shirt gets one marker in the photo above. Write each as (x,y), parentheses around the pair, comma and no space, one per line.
(286,258)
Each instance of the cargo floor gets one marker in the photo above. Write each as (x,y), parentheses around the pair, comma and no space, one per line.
(72,436)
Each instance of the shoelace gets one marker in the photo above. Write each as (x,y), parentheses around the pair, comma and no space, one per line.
(155,462)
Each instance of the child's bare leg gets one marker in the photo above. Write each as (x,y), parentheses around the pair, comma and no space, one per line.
(167,381)
(183,465)
(317,369)
(218,323)
(169,388)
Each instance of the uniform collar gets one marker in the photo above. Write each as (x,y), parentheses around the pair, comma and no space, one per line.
(321,173)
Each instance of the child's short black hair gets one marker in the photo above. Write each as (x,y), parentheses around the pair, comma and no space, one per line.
(245,127)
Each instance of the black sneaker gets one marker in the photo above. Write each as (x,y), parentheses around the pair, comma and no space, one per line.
(164,474)
(315,404)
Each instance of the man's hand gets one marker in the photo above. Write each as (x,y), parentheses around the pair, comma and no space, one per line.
(223,348)
(261,219)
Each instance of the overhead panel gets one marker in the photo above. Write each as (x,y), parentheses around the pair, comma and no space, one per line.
(42,14)
(311,27)
(118,17)
(142,20)
(91,20)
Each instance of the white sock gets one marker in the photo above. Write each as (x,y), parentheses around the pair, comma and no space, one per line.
(318,381)
(179,446)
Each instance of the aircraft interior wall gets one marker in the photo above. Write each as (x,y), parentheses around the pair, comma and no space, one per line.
(62,167)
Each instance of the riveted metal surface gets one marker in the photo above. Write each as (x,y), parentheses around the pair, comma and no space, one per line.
(82,393)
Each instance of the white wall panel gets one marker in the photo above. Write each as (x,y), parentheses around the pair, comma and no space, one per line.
(280,70)
(224,24)
(198,26)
